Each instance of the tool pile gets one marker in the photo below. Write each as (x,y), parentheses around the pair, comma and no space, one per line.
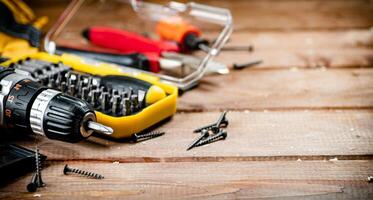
(69,98)
(106,98)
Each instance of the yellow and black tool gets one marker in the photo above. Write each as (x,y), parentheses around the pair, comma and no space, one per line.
(128,103)
(20,29)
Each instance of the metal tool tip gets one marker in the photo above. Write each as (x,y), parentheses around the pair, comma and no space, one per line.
(97,127)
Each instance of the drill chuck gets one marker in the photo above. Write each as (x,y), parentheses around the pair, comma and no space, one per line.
(25,105)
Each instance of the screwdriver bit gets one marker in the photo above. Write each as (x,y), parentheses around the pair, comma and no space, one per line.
(116,105)
(134,103)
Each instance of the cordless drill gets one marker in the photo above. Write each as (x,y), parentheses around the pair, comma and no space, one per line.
(27,106)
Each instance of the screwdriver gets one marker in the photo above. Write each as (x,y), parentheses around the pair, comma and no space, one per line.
(26,106)
(186,35)
(145,61)
(125,41)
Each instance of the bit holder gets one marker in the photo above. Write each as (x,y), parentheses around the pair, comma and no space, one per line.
(121,101)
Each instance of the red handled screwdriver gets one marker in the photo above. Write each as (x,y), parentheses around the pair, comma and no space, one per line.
(126,42)
(151,62)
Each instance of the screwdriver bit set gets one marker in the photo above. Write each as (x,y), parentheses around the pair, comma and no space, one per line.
(115,102)
(128,103)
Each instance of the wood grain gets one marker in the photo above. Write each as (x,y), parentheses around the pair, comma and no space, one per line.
(304,49)
(282,89)
(332,48)
(308,49)
(306,135)
(300,124)
(261,15)
(234,180)
(289,15)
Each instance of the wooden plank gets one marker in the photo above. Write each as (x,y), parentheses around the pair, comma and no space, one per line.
(312,135)
(282,89)
(307,49)
(51,10)
(220,180)
(278,49)
(272,14)
(290,14)
(304,39)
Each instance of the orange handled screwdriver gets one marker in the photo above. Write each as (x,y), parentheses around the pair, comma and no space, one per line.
(183,33)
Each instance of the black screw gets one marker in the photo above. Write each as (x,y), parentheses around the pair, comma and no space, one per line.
(67,170)
(33,185)
(204,134)
(370,179)
(145,136)
(38,169)
(213,138)
(246,65)
(248,48)
(215,127)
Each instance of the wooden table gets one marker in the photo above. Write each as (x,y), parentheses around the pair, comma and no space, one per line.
(301,123)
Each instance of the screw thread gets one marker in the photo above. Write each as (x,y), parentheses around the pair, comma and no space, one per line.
(222,122)
(86,173)
(207,127)
(196,141)
(149,135)
(37,161)
(38,164)
(213,138)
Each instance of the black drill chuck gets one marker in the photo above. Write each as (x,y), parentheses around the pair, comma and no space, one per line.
(27,106)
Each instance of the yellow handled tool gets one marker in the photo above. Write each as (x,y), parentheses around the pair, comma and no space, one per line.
(128,103)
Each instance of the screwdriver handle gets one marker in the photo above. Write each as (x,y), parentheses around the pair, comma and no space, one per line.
(143,61)
(125,41)
(186,35)
(175,30)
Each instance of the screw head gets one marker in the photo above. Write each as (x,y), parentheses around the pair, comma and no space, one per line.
(204,132)
(66,169)
(224,123)
(31,187)
(134,137)
(224,134)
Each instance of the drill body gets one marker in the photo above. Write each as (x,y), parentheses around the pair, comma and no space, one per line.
(27,106)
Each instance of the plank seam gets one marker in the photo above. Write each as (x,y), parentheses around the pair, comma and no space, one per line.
(326,158)
(289,109)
